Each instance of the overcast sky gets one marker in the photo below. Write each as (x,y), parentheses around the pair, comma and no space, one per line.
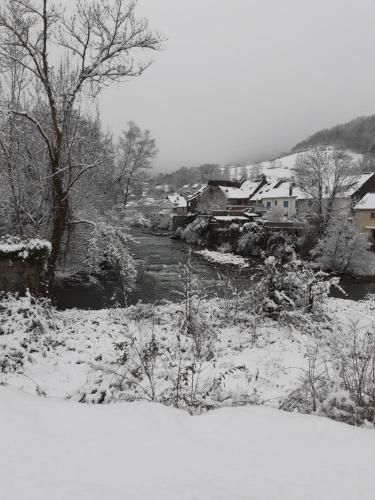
(247,79)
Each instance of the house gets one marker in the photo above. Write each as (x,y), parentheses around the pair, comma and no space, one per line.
(173,205)
(292,201)
(358,186)
(281,195)
(225,195)
(365,215)
(193,199)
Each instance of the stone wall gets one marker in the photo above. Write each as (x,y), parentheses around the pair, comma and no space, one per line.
(19,276)
(22,263)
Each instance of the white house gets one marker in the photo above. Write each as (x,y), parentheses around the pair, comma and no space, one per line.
(281,194)
(173,205)
(293,201)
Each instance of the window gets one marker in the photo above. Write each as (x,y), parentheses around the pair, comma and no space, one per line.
(286,204)
(268,204)
(275,203)
(372,215)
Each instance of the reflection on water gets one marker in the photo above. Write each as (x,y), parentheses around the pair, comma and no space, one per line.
(158,260)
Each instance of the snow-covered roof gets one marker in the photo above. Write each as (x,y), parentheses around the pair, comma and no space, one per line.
(177,200)
(197,193)
(241,193)
(367,202)
(280,189)
(358,181)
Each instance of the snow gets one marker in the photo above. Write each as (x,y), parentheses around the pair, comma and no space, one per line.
(222,258)
(281,168)
(63,450)
(197,192)
(24,247)
(278,190)
(60,450)
(230,218)
(357,182)
(366,203)
(177,200)
(274,170)
(244,192)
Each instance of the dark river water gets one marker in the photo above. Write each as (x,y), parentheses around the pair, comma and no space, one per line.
(158,261)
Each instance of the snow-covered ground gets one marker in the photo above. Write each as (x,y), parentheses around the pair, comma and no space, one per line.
(281,168)
(75,356)
(53,449)
(223,258)
(71,354)
(274,170)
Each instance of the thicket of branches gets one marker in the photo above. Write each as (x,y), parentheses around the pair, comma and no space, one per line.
(54,64)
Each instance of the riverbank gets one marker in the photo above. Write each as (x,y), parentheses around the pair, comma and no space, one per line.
(158,260)
(245,358)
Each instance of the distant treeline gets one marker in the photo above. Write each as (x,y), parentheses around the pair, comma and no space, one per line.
(357,135)
(190,175)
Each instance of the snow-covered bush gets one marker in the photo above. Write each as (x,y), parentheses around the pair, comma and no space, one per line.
(353,352)
(339,378)
(134,218)
(28,325)
(197,231)
(281,246)
(109,244)
(11,359)
(289,287)
(27,314)
(344,249)
(253,240)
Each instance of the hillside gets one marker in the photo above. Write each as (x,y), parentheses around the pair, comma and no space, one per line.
(357,135)
(280,168)
(186,177)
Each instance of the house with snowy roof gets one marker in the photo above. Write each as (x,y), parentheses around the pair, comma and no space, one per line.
(357,186)
(221,195)
(293,201)
(280,195)
(365,215)
(173,205)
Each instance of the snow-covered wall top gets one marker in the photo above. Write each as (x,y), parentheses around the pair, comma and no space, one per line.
(33,249)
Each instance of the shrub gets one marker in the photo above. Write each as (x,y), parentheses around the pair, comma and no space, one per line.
(339,379)
(344,249)
(281,246)
(253,241)
(197,231)
(290,287)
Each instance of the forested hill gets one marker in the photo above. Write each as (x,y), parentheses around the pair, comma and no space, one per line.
(187,176)
(357,135)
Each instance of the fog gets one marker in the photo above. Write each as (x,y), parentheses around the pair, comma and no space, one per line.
(247,79)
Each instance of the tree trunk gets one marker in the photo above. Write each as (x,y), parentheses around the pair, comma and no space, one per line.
(59,223)
(127,188)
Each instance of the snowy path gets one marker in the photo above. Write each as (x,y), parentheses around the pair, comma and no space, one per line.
(53,449)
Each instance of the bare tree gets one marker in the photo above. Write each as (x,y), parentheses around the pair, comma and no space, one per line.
(325,175)
(136,149)
(65,59)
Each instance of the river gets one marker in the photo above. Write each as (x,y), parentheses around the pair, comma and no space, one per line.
(158,261)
